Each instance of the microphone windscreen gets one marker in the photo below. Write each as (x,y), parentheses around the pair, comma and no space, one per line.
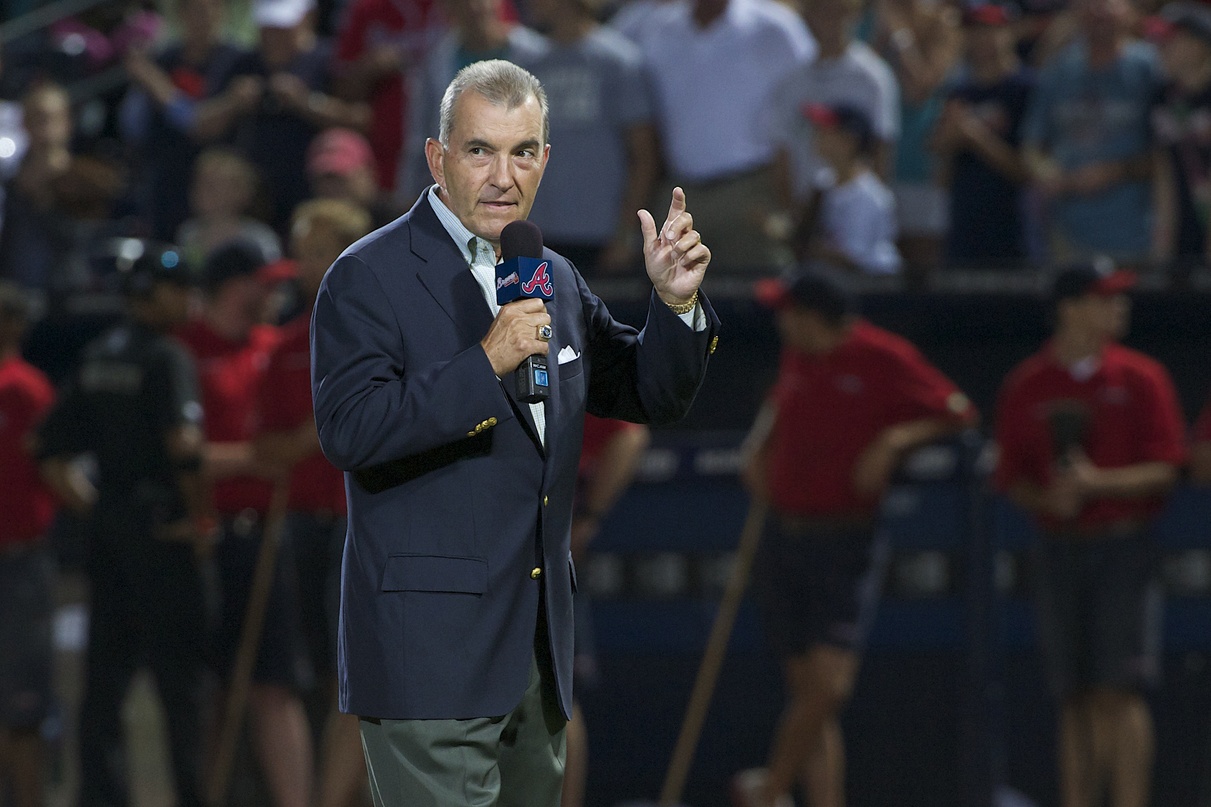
(520,239)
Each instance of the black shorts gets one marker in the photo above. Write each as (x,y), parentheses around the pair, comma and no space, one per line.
(1099,608)
(818,584)
(317,542)
(282,658)
(26,633)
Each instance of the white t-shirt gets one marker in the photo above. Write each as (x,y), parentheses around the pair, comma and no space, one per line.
(859,218)
(712,84)
(859,78)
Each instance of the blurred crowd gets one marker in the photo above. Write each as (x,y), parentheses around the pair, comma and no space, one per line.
(261,139)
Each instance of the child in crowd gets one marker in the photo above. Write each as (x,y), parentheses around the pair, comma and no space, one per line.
(855,220)
(223,191)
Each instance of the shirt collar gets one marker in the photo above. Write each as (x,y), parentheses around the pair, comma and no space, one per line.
(458,232)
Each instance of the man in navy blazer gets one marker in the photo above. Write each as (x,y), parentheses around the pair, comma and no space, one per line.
(455,644)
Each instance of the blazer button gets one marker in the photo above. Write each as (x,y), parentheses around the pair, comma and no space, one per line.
(491,421)
(714,344)
(536,573)
(544,501)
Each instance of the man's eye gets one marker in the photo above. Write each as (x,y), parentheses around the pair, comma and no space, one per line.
(476,151)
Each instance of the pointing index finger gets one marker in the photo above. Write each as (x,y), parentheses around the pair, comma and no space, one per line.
(676,208)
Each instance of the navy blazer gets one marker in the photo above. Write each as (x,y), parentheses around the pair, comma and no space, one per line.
(454,503)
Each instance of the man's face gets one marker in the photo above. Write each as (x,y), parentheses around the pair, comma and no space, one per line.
(315,247)
(1105,316)
(490,171)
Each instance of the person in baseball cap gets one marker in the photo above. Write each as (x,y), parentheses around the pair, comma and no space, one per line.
(153,263)
(1099,277)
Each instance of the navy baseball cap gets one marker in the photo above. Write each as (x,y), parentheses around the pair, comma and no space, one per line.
(232,260)
(1093,277)
(812,288)
(845,117)
(154,263)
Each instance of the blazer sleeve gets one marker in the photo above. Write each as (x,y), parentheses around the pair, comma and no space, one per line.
(369,407)
(650,376)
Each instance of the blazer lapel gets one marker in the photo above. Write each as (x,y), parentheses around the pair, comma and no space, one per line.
(448,279)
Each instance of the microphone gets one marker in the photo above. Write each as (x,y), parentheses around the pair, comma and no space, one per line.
(525,275)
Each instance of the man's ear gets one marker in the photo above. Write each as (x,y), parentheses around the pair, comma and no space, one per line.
(435,155)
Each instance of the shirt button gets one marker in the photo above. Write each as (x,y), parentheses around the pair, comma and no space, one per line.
(536,573)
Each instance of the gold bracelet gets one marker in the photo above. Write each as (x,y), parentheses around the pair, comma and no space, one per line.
(684,308)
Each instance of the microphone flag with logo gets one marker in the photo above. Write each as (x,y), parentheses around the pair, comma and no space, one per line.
(524,274)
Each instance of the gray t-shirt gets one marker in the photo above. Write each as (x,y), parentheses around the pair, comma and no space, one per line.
(859,78)
(596,91)
(859,218)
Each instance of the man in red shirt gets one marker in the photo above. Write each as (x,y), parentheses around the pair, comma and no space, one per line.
(315,524)
(231,349)
(850,401)
(1091,440)
(26,567)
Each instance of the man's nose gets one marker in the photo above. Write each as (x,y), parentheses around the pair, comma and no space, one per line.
(502,171)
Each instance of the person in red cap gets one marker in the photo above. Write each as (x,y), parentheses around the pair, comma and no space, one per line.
(341,165)
(1091,439)
(851,400)
(315,522)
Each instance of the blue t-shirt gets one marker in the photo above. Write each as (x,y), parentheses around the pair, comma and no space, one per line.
(1081,116)
(985,205)
(596,91)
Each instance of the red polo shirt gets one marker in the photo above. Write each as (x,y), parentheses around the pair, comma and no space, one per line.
(285,405)
(1131,416)
(831,407)
(26,505)
(230,374)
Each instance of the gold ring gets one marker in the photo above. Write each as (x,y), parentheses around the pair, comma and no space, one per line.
(543,332)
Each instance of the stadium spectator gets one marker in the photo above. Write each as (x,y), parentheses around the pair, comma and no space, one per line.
(922,41)
(855,222)
(26,565)
(479,30)
(159,112)
(845,71)
(609,457)
(713,65)
(977,140)
(315,522)
(133,405)
(1181,127)
(850,401)
(222,193)
(279,100)
(600,105)
(1091,438)
(13,140)
(232,350)
(379,48)
(340,165)
(1086,139)
(57,205)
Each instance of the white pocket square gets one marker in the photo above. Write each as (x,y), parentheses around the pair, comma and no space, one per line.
(566,355)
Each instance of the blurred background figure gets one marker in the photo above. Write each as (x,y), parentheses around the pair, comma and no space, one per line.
(159,114)
(286,439)
(134,407)
(600,106)
(922,42)
(27,568)
(978,145)
(851,400)
(845,71)
(340,165)
(57,205)
(1086,138)
(1181,126)
(713,65)
(222,195)
(478,30)
(379,49)
(853,225)
(231,345)
(1091,438)
(611,453)
(279,99)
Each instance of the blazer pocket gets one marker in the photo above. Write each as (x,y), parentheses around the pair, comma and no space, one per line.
(435,573)
(571,369)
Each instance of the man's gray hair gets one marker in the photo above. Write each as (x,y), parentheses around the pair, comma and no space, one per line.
(498,81)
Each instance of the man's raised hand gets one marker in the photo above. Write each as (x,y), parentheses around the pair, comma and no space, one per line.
(675,257)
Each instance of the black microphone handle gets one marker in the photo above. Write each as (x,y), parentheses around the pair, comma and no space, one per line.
(531,381)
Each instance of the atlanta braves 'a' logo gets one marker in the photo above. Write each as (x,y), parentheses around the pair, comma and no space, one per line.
(540,280)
